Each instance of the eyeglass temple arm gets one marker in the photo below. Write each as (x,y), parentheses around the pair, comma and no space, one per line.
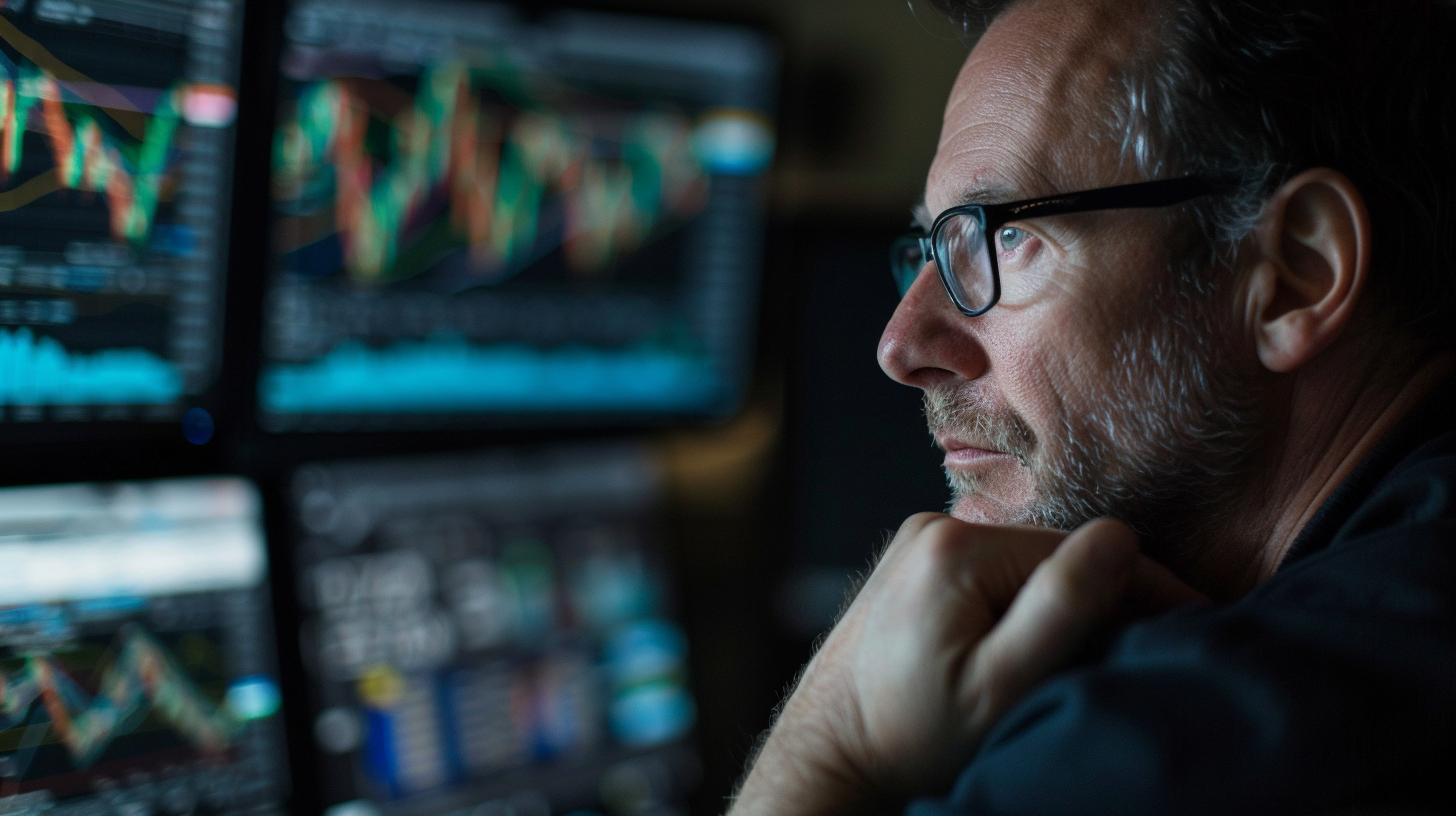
(1163,193)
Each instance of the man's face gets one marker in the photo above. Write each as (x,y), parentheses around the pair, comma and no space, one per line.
(1096,386)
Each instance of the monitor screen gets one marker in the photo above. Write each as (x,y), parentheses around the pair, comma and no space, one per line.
(477,217)
(491,634)
(137,672)
(116,135)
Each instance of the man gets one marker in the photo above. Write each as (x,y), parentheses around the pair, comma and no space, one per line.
(1225,371)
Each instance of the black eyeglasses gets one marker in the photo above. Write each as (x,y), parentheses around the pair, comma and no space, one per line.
(971,271)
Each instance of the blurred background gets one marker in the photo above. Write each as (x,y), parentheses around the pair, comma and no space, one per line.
(444,407)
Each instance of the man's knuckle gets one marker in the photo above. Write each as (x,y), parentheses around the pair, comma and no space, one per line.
(920,521)
(1062,587)
(945,547)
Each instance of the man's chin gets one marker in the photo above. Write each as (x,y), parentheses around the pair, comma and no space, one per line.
(977,508)
(1000,491)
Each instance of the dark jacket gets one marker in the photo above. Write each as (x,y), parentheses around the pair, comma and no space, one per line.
(1331,687)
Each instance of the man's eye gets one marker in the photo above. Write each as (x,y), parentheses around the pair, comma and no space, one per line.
(1009,238)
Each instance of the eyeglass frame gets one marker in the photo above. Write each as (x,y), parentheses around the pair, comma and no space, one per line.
(1138,195)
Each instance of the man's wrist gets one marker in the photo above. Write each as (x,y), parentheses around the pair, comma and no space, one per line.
(801,770)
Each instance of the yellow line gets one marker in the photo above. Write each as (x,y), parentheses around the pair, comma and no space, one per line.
(34,188)
(105,98)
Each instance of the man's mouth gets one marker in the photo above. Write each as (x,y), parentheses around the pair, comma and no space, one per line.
(974,432)
(962,452)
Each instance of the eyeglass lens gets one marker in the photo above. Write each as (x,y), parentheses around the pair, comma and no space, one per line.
(906,261)
(961,246)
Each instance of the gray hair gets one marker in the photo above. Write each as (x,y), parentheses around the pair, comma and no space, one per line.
(1261,90)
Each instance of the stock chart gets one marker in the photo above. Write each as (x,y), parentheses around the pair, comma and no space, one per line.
(136,658)
(474,215)
(137,678)
(116,126)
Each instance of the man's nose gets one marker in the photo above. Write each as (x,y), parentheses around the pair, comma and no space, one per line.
(928,342)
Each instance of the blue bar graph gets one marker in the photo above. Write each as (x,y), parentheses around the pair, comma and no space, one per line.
(453,374)
(39,371)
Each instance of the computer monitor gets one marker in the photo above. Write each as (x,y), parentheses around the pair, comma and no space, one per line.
(116,140)
(492,634)
(479,217)
(137,668)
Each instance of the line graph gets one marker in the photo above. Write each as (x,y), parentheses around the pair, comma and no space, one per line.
(32,190)
(48,706)
(101,96)
(514,180)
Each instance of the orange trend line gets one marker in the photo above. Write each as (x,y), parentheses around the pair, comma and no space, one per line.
(107,99)
(33,189)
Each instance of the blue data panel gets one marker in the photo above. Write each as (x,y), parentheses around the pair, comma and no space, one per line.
(39,371)
(116,138)
(136,652)
(477,216)
(492,634)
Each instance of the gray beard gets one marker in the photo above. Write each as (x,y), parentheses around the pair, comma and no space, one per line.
(1167,447)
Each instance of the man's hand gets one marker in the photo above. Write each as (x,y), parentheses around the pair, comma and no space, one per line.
(956,623)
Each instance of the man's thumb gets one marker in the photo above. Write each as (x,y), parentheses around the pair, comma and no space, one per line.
(1069,598)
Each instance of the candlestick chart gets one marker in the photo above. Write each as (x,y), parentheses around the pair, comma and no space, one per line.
(514,184)
(111,204)
(86,157)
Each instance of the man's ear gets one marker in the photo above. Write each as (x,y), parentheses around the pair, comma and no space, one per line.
(1310,265)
